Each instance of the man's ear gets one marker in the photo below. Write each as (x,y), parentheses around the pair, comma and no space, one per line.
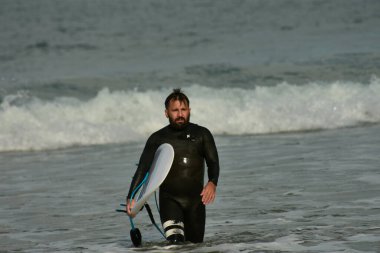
(166,114)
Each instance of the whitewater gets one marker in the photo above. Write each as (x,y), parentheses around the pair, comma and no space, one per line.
(30,123)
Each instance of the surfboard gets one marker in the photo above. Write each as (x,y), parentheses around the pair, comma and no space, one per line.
(162,162)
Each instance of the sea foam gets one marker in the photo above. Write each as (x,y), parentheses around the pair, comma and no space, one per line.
(29,123)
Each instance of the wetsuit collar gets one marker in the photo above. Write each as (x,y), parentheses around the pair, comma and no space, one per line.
(183,127)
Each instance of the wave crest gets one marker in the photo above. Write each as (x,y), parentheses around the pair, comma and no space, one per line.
(29,123)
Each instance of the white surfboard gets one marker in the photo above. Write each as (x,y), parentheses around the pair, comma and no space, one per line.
(162,162)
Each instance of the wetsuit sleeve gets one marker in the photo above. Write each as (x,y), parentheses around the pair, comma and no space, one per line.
(211,157)
(143,166)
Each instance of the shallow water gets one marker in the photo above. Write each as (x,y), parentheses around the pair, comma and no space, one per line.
(299,192)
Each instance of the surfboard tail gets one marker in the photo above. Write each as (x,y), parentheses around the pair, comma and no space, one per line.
(162,162)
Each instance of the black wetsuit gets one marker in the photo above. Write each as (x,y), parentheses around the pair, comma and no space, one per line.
(181,207)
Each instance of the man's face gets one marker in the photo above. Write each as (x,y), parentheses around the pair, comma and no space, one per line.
(178,113)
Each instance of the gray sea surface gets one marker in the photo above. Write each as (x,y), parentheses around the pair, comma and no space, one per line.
(289,88)
(78,47)
(300,192)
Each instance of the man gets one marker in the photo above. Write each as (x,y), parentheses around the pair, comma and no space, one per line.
(182,195)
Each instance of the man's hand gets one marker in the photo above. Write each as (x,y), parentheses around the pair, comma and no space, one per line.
(208,193)
(129,206)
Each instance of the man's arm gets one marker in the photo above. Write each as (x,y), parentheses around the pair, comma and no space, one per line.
(142,168)
(211,157)
(212,160)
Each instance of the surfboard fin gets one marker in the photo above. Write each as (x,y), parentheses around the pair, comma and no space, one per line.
(136,237)
(135,233)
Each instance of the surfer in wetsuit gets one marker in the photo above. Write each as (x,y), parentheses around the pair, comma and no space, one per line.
(182,194)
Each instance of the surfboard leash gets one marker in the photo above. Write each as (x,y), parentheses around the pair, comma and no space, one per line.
(135,232)
(158,209)
(133,195)
(147,207)
(139,186)
(155,198)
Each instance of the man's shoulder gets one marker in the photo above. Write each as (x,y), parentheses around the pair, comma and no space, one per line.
(159,132)
(199,128)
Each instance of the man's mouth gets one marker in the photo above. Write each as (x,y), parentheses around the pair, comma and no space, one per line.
(179,119)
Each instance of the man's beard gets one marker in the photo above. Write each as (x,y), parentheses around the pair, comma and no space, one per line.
(179,125)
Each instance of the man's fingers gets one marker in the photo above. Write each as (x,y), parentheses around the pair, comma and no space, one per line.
(208,198)
(129,208)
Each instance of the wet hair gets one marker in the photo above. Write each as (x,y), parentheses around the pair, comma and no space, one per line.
(177,94)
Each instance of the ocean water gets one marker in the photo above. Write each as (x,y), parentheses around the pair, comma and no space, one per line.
(290,90)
